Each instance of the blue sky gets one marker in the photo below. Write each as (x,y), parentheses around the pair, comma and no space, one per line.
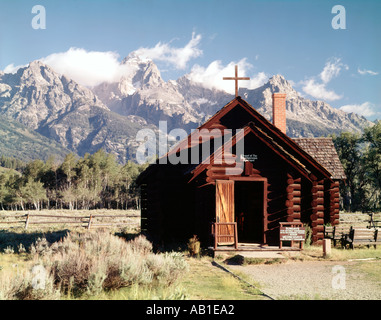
(205,38)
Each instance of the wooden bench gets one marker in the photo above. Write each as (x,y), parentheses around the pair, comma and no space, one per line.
(363,236)
(340,233)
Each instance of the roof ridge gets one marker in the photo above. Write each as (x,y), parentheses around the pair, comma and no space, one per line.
(328,138)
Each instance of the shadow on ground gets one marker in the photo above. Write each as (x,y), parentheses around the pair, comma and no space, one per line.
(12,240)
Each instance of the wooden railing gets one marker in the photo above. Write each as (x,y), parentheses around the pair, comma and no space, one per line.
(225,233)
(91,221)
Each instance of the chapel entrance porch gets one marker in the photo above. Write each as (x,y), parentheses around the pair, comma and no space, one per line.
(241,214)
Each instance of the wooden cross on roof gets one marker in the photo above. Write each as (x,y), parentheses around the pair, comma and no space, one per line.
(236,78)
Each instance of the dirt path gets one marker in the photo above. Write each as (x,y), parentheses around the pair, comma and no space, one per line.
(313,280)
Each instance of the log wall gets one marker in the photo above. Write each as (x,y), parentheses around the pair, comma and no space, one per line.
(293,202)
(334,198)
(317,216)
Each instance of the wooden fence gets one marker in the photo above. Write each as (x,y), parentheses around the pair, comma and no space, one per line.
(91,221)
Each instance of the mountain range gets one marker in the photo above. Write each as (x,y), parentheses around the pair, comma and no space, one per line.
(108,116)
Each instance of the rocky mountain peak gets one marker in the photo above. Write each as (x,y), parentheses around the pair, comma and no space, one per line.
(38,74)
(135,57)
(37,95)
(141,72)
(278,83)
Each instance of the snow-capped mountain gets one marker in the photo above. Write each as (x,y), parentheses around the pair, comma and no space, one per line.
(144,93)
(109,115)
(61,109)
(305,118)
(186,104)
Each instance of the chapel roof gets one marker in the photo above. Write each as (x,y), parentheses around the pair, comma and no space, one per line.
(323,151)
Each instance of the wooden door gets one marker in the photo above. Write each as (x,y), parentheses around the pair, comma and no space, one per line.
(225,210)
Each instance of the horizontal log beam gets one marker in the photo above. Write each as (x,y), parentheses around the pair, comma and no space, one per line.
(318,215)
(317,202)
(296,215)
(317,222)
(297,200)
(293,181)
(294,186)
(297,193)
(318,229)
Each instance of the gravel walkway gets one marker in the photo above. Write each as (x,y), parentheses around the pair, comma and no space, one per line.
(313,280)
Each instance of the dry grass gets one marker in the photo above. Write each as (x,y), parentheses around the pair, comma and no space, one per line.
(91,263)
(12,235)
(208,282)
(123,219)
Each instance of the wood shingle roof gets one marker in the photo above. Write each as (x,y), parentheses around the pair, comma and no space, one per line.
(323,150)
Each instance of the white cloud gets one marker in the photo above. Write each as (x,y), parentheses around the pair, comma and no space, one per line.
(364,72)
(11,68)
(178,57)
(88,68)
(332,69)
(318,89)
(211,76)
(366,109)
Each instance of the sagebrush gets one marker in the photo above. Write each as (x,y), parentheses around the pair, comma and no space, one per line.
(90,263)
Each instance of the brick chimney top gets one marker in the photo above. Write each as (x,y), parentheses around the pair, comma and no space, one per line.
(279,111)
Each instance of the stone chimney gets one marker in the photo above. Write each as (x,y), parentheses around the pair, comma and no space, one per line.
(279,111)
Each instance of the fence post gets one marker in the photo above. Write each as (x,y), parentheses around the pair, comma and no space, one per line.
(90,220)
(27,221)
(326,247)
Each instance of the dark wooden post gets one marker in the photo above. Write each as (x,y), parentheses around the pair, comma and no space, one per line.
(90,220)
(27,221)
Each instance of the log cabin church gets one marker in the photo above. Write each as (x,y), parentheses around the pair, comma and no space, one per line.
(244,186)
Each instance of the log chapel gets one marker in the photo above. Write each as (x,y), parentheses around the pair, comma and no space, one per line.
(242,174)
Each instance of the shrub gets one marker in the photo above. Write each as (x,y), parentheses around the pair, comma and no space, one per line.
(9,250)
(194,246)
(23,286)
(141,245)
(308,239)
(92,262)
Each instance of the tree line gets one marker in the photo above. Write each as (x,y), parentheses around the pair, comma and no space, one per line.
(89,182)
(99,181)
(360,155)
